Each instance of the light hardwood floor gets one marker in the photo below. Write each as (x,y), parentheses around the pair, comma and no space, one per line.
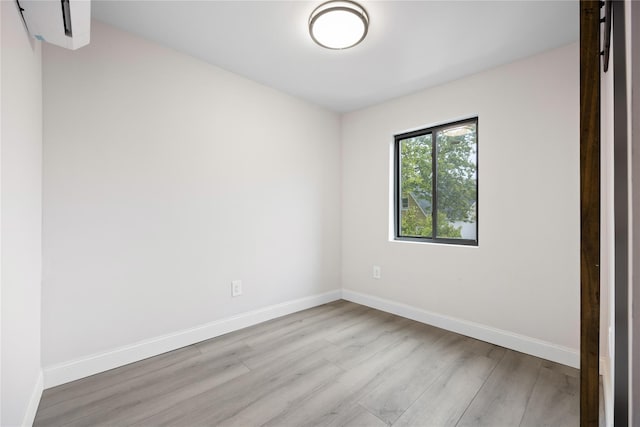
(340,364)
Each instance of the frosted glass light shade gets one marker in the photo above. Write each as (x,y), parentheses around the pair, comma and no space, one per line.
(338,24)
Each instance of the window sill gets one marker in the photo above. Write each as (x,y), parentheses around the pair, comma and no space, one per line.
(426,242)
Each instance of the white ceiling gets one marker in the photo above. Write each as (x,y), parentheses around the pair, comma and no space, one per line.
(411,45)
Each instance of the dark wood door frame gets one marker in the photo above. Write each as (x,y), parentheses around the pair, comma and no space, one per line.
(589,210)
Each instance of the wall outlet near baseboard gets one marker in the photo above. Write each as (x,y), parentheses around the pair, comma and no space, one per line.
(236,288)
(376,271)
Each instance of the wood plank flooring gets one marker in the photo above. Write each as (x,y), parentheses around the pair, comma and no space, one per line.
(340,364)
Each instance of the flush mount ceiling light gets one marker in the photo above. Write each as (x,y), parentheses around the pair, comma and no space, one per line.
(338,24)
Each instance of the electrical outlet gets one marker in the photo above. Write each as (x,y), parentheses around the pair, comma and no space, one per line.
(236,288)
(376,271)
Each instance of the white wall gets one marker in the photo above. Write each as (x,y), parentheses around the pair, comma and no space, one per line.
(21,176)
(523,278)
(164,179)
(607,240)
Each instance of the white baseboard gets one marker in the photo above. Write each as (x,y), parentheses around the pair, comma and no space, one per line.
(34,401)
(522,343)
(93,364)
(96,363)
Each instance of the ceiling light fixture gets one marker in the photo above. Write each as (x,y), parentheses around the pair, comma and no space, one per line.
(338,24)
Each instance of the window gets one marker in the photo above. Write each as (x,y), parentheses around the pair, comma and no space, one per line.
(436,184)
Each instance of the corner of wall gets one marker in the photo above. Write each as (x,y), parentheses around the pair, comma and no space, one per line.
(21,197)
